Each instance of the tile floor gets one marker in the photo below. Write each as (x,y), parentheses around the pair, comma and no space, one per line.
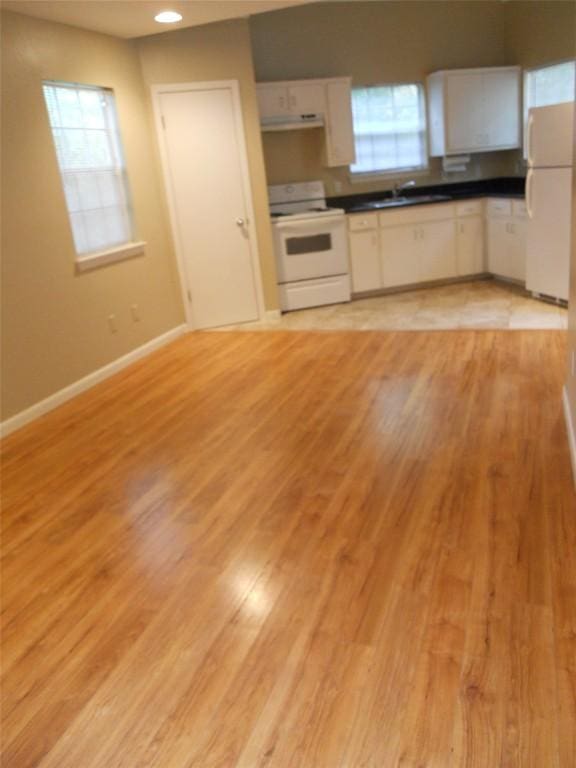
(477,304)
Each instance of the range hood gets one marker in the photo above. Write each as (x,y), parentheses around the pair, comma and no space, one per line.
(292,122)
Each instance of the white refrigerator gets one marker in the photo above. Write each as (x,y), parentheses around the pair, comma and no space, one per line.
(549,199)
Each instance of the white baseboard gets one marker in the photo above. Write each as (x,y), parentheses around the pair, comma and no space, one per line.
(571,429)
(39,409)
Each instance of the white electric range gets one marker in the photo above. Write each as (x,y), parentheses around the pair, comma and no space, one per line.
(311,246)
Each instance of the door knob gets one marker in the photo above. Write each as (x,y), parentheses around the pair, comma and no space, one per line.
(240,221)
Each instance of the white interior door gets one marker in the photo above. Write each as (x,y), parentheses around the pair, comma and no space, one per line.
(205,170)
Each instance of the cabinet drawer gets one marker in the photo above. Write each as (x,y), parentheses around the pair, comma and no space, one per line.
(360,221)
(519,209)
(469,208)
(416,214)
(498,207)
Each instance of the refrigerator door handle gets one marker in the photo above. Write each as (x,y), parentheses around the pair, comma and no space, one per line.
(529,193)
(529,156)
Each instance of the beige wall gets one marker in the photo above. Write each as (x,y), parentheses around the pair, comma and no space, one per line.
(374,42)
(55,328)
(571,380)
(540,32)
(220,52)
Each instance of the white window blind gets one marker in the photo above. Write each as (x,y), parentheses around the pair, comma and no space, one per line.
(389,128)
(85,131)
(553,84)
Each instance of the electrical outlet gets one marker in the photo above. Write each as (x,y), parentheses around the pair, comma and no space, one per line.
(112,324)
(337,187)
(135,312)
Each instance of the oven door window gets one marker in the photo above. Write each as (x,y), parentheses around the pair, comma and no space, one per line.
(308,244)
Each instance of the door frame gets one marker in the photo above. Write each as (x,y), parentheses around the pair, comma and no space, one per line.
(210,85)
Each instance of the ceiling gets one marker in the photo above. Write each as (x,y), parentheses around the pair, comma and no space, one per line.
(135,18)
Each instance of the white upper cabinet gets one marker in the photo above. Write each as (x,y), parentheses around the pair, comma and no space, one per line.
(272,100)
(278,100)
(340,148)
(282,104)
(306,99)
(474,110)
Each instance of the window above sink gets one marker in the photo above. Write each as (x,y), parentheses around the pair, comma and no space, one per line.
(389,130)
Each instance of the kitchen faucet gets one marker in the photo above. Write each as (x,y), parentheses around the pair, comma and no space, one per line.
(398,187)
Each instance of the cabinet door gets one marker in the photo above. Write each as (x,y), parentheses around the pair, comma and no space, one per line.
(437,241)
(517,238)
(306,99)
(498,246)
(365,261)
(340,148)
(470,245)
(502,108)
(399,255)
(465,120)
(272,100)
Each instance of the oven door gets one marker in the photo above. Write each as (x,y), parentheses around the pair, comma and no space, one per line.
(311,248)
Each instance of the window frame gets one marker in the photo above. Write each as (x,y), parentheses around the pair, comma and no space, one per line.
(525,108)
(86,260)
(358,177)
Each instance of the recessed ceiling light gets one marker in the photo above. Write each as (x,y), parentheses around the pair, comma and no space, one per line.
(168,17)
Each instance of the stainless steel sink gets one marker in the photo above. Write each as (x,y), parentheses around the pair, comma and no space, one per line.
(396,202)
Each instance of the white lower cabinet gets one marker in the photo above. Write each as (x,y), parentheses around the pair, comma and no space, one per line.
(364,252)
(417,254)
(399,255)
(365,261)
(417,245)
(506,239)
(437,242)
(507,248)
(519,227)
(470,245)
(437,250)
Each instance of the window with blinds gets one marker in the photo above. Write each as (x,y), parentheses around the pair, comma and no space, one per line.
(544,86)
(87,140)
(389,129)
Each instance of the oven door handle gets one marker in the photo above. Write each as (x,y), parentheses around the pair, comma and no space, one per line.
(322,223)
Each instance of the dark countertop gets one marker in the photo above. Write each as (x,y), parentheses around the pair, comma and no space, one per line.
(500,187)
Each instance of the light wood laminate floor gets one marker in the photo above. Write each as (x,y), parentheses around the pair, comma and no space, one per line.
(302,550)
